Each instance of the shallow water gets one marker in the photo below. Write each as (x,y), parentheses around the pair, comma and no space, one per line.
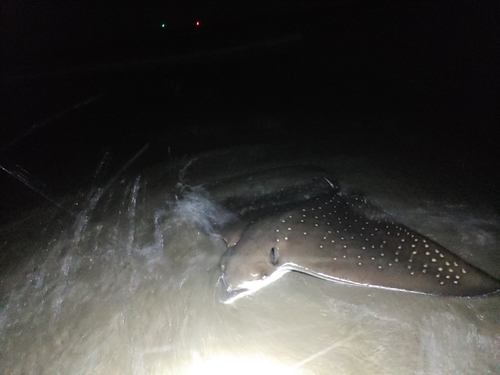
(128,283)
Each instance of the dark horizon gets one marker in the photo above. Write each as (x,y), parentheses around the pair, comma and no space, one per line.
(417,80)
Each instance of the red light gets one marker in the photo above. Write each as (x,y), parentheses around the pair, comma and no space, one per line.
(197,23)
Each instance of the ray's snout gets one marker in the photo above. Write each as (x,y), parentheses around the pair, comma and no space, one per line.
(233,273)
(226,294)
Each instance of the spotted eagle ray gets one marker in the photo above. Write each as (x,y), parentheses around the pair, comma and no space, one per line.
(330,236)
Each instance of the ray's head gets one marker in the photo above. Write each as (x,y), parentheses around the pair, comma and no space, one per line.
(251,264)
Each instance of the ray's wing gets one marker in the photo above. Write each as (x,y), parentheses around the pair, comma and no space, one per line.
(388,263)
(252,207)
(329,238)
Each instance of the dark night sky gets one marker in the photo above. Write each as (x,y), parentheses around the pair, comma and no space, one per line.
(460,36)
(419,78)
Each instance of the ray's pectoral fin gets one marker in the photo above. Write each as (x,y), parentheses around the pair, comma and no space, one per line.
(394,257)
(447,276)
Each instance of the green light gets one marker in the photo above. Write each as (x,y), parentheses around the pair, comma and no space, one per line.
(162,25)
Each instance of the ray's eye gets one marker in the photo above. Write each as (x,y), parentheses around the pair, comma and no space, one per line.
(273,256)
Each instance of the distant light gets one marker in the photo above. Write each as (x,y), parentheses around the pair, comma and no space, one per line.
(197,23)
(162,25)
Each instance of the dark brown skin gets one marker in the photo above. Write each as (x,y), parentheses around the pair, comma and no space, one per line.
(328,237)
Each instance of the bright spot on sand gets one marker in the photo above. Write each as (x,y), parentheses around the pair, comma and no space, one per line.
(245,365)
